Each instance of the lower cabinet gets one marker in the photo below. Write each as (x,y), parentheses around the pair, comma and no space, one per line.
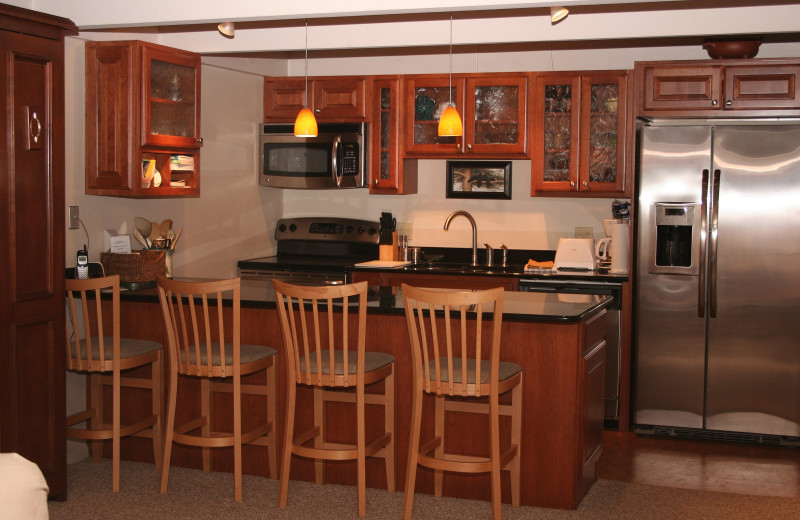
(593,365)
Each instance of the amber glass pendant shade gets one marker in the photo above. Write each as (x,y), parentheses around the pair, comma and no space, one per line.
(450,122)
(306,124)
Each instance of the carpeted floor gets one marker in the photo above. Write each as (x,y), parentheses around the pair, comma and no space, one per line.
(198,496)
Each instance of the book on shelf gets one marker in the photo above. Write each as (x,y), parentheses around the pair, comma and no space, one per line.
(179,162)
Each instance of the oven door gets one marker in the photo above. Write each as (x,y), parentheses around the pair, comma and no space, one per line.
(296,277)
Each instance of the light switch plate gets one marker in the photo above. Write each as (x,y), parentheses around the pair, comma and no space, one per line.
(584,232)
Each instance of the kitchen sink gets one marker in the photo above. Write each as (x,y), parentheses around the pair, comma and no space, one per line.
(459,267)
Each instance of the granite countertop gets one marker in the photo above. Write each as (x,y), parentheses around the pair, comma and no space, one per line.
(450,261)
(521,306)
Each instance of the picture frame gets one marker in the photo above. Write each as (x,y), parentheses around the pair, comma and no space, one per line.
(478,179)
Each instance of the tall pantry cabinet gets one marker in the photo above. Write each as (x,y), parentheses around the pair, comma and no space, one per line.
(32,331)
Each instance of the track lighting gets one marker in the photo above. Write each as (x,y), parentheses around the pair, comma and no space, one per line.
(226,29)
(557,14)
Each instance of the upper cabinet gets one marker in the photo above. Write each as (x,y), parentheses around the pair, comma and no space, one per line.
(718,88)
(142,120)
(492,108)
(341,98)
(389,174)
(579,134)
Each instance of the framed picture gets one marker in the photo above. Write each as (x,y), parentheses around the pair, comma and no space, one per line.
(478,179)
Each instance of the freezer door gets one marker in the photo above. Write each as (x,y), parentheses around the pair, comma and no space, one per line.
(669,332)
(754,297)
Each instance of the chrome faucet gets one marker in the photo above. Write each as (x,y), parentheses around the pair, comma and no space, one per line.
(474,231)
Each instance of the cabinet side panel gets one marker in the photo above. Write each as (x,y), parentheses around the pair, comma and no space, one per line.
(109,96)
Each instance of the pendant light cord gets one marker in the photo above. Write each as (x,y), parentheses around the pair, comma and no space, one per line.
(306,68)
(450,80)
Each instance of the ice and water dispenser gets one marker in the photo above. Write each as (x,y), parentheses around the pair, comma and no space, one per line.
(677,238)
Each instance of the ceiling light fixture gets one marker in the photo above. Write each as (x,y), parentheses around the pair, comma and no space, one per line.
(226,29)
(306,124)
(557,14)
(450,122)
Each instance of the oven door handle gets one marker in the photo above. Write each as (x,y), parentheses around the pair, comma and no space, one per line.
(337,179)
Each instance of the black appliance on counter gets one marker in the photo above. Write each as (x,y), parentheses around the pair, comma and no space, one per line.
(585,290)
(315,250)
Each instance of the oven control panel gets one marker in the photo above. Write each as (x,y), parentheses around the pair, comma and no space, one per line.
(327,229)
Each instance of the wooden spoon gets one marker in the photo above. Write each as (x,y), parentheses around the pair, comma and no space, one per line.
(165,226)
(144,226)
(155,230)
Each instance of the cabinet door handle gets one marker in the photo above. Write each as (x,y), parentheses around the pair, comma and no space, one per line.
(469,147)
(714,102)
(586,184)
(199,140)
(728,103)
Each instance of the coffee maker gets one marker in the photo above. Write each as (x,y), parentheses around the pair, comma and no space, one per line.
(614,250)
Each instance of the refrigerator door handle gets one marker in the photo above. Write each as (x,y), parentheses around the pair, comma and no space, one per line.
(712,246)
(701,279)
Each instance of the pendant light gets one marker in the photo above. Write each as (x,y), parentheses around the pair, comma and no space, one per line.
(450,122)
(306,124)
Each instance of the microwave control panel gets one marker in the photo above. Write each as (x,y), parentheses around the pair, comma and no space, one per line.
(350,159)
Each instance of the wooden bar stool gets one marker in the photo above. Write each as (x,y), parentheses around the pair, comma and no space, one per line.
(459,357)
(107,360)
(201,346)
(320,354)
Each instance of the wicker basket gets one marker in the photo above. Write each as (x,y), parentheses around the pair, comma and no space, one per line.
(137,269)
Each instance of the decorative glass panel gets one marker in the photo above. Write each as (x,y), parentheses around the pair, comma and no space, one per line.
(603,134)
(429,103)
(172,100)
(496,109)
(557,132)
(385,133)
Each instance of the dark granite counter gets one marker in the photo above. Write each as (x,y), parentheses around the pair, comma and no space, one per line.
(518,306)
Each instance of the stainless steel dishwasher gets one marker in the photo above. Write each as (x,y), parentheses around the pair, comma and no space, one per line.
(584,290)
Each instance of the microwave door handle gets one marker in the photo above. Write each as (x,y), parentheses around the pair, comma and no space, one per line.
(337,179)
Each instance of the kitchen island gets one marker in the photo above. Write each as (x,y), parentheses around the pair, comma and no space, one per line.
(559,343)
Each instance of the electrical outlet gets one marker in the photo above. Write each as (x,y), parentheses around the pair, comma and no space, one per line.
(405,228)
(584,232)
(74,219)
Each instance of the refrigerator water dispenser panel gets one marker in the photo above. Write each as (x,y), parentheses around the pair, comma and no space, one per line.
(677,235)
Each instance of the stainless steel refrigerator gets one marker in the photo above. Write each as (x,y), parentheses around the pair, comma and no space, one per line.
(717,307)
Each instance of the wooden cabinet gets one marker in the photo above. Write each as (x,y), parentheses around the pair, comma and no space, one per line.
(579,134)
(32,333)
(341,98)
(592,395)
(389,173)
(718,88)
(142,105)
(449,281)
(492,108)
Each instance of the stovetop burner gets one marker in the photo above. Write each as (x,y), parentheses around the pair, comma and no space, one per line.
(317,246)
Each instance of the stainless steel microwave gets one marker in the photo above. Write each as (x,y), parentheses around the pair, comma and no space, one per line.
(336,158)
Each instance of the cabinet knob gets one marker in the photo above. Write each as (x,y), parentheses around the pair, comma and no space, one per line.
(586,184)
(469,147)
(572,183)
(376,182)
(317,110)
(199,140)
(728,103)
(713,102)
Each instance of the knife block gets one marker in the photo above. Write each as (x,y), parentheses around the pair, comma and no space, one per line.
(389,251)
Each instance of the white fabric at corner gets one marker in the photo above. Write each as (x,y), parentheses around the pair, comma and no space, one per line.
(23,489)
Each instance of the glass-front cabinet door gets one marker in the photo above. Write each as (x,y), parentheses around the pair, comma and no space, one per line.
(497,122)
(602,161)
(556,130)
(579,135)
(427,98)
(172,98)
(387,172)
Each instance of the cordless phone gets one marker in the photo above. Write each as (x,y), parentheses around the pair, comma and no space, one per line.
(83,264)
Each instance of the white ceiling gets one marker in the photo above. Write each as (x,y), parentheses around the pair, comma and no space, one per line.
(271,26)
